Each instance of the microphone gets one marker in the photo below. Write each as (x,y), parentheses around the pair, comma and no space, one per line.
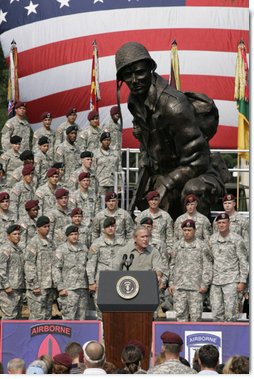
(123,261)
(129,262)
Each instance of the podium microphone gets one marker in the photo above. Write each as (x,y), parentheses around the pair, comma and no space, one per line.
(123,261)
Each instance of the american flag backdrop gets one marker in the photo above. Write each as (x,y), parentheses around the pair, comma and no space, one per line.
(54,40)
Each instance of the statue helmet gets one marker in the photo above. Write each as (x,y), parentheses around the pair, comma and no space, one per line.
(129,53)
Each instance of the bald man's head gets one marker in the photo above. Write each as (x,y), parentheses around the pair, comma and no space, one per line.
(94,354)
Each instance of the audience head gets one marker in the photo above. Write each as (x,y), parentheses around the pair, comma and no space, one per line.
(75,351)
(62,363)
(237,364)
(49,362)
(94,354)
(208,356)
(172,343)
(16,366)
(131,358)
(38,367)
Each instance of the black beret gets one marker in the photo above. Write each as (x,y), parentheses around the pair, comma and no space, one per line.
(43,140)
(42,220)
(71,229)
(11,228)
(188,224)
(15,139)
(169,337)
(26,154)
(104,135)
(58,165)
(222,216)
(86,154)
(146,220)
(71,128)
(109,221)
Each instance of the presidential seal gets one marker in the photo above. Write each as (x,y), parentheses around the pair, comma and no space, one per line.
(127,287)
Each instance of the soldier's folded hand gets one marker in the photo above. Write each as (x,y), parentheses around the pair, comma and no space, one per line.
(8,290)
(37,291)
(63,293)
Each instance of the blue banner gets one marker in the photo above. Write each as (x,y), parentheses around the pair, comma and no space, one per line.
(30,339)
(229,338)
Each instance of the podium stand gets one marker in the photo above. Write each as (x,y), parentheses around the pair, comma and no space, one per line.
(127,300)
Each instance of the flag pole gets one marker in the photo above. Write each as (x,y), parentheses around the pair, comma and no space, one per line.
(175,67)
(95,86)
(13,83)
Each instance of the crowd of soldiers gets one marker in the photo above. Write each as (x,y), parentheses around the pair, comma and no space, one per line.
(56,234)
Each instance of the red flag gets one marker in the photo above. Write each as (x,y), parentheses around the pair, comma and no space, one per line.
(95,87)
(13,83)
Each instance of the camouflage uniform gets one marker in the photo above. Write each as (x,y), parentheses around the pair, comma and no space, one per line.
(6,218)
(90,138)
(190,269)
(28,230)
(105,164)
(60,133)
(115,131)
(74,182)
(11,275)
(51,136)
(59,219)
(21,193)
(162,226)
(230,267)
(88,201)
(70,156)
(16,176)
(38,270)
(42,163)
(46,197)
(203,226)
(69,272)
(16,127)
(10,161)
(124,223)
(171,366)
(84,231)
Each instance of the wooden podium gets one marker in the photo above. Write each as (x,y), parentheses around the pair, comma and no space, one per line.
(127,300)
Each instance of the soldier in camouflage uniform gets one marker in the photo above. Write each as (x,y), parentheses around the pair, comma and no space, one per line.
(10,159)
(115,129)
(162,222)
(42,160)
(90,136)
(7,217)
(3,178)
(45,130)
(230,270)
(106,163)
(103,255)
(203,225)
(26,157)
(83,224)
(190,274)
(46,193)
(17,126)
(59,216)
(70,277)
(124,223)
(238,223)
(172,345)
(85,198)
(11,275)
(61,171)
(28,222)
(86,158)
(68,152)
(71,115)
(22,191)
(38,271)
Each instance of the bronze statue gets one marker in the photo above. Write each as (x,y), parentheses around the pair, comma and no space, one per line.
(173,129)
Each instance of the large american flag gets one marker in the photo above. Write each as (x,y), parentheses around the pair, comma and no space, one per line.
(54,40)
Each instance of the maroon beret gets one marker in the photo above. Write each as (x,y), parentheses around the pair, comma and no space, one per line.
(222,216)
(229,197)
(70,111)
(110,195)
(31,204)
(114,110)
(91,115)
(52,171)
(63,359)
(83,175)
(189,198)
(60,192)
(169,337)
(46,115)
(27,169)
(188,224)
(76,211)
(139,345)
(4,196)
(151,195)
(19,104)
